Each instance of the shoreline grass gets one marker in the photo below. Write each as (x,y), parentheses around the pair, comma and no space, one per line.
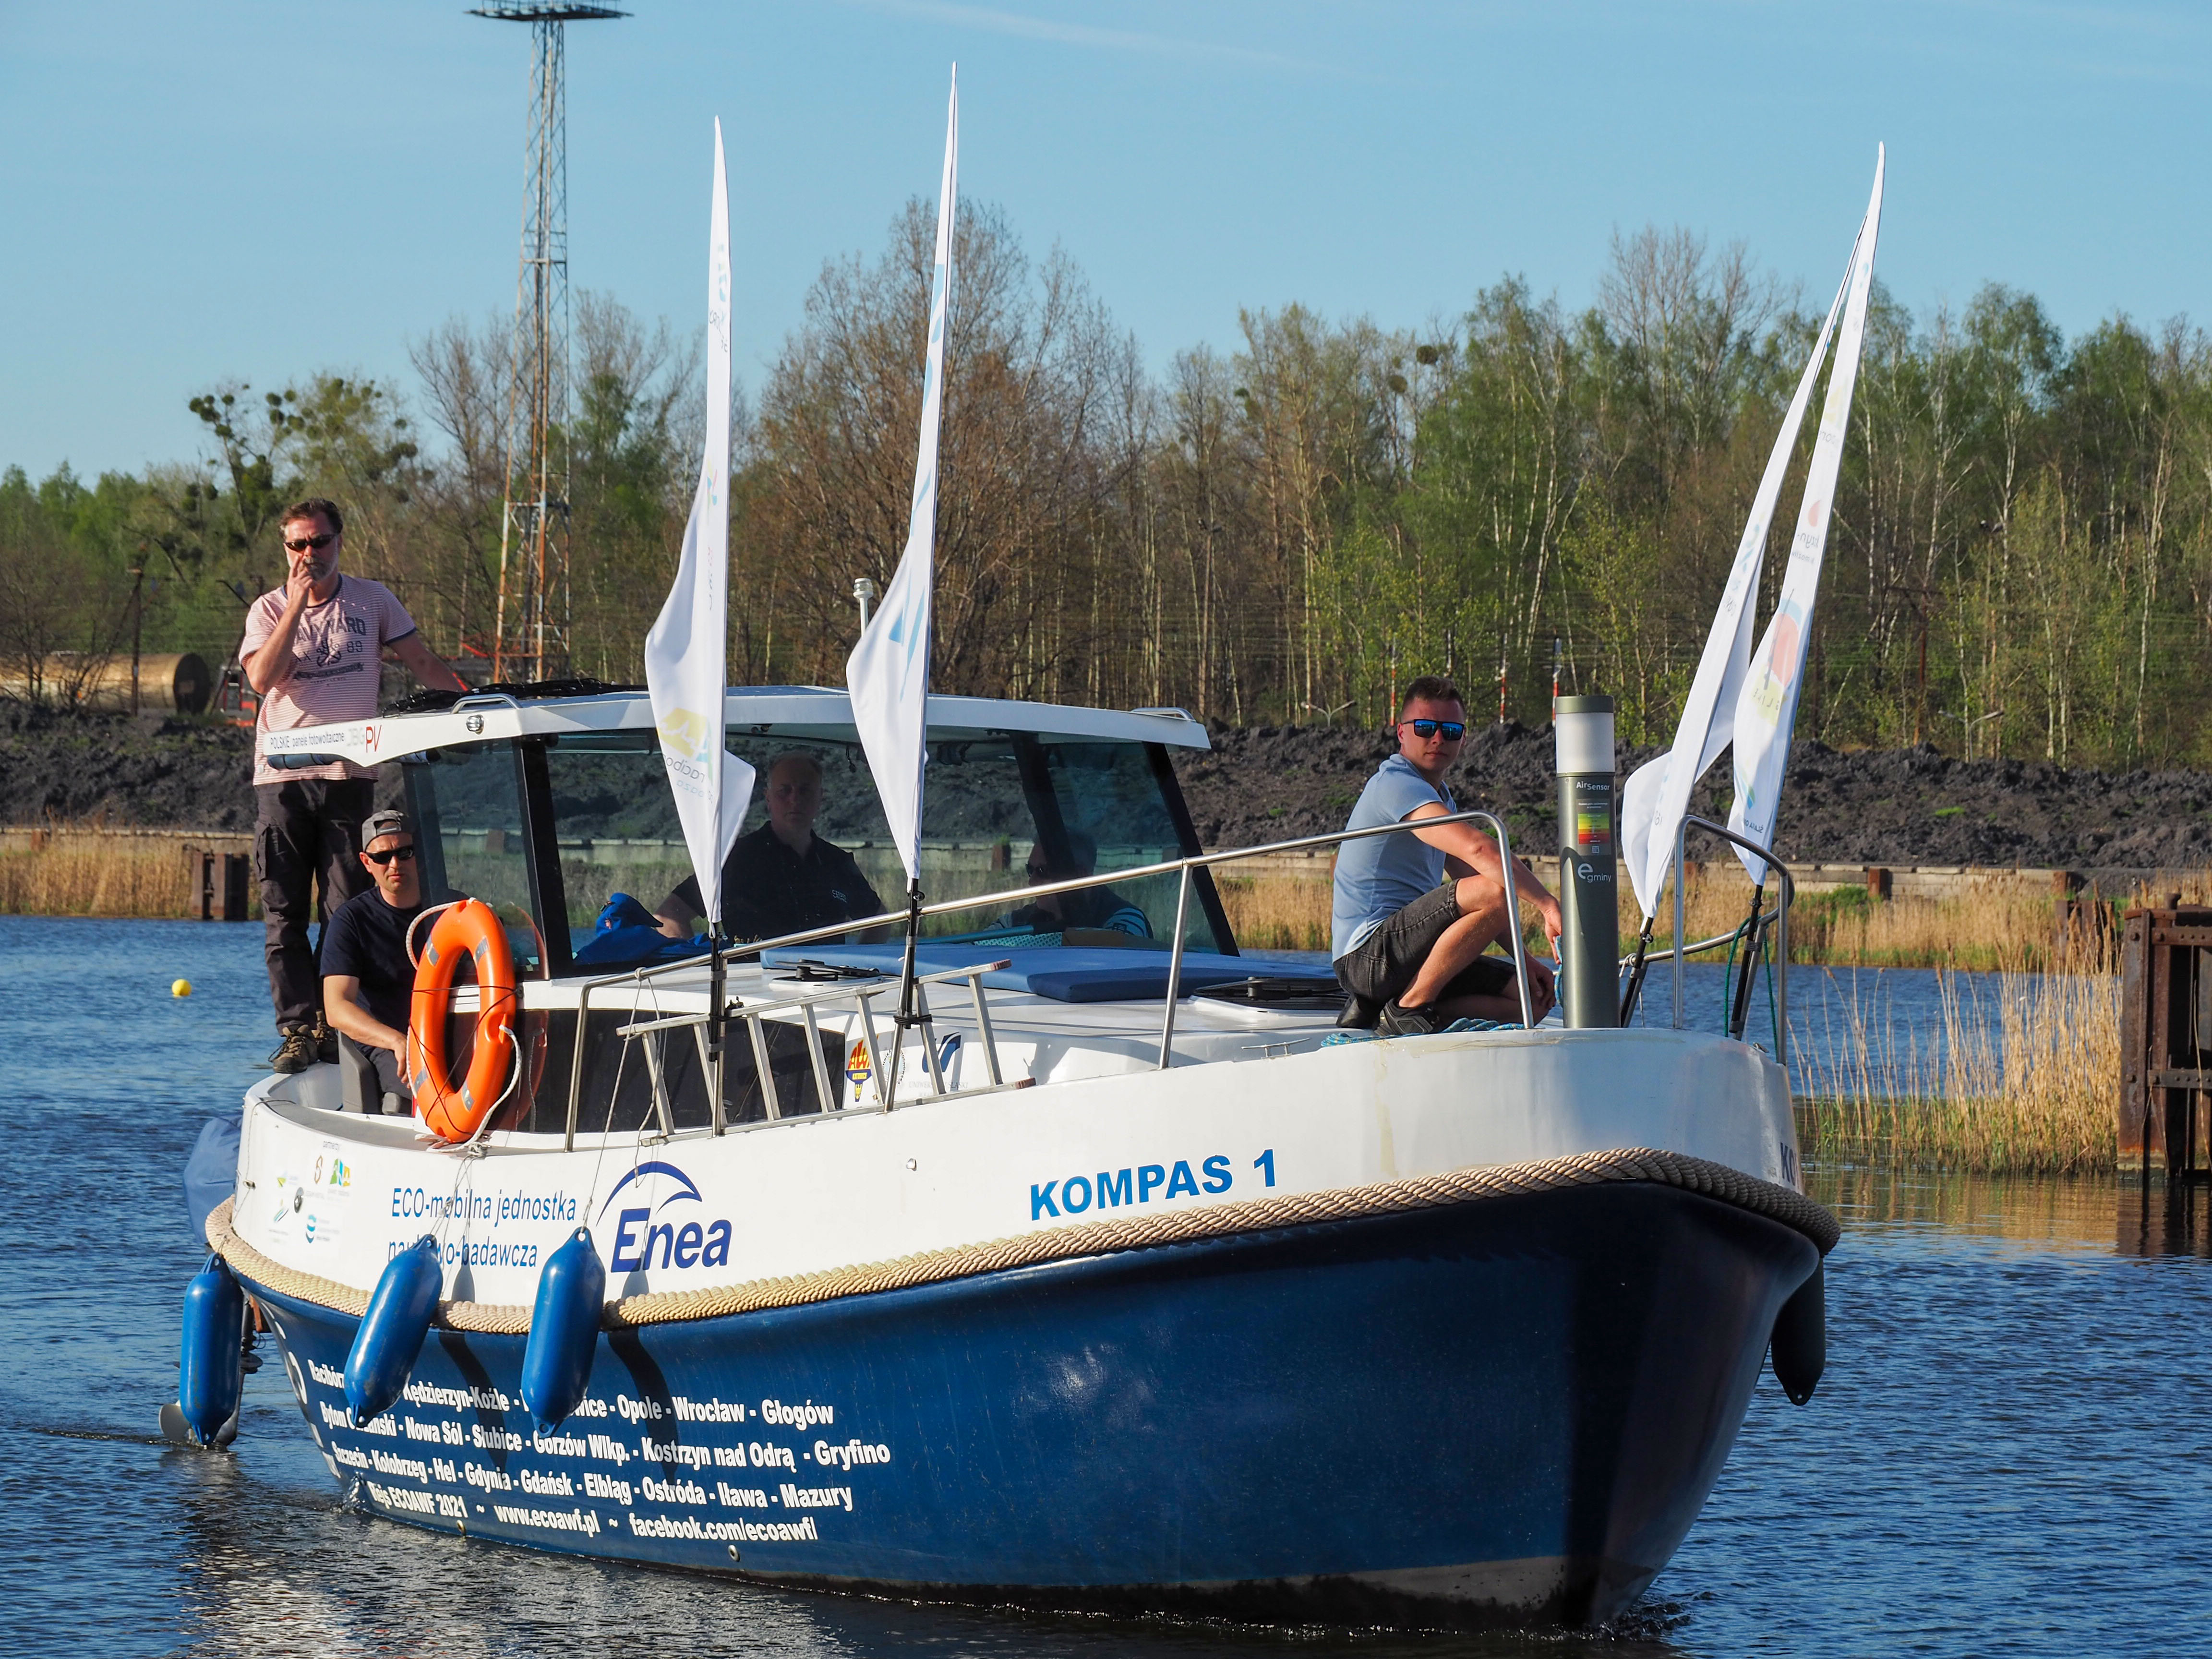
(1996,924)
(85,873)
(2020,1080)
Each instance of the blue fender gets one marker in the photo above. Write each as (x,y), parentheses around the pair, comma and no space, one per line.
(211,1374)
(564,1330)
(392,1330)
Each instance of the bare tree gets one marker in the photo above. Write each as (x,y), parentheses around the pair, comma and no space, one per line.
(1033,365)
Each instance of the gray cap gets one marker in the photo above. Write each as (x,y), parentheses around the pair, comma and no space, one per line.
(389,822)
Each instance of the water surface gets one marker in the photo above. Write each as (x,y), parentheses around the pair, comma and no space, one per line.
(2008,1457)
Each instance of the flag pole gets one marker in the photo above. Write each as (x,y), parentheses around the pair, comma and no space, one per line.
(887,675)
(717,1019)
(907,1019)
(1740,1012)
(1635,970)
(686,655)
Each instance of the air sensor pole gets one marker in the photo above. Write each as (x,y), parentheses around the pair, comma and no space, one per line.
(1590,943)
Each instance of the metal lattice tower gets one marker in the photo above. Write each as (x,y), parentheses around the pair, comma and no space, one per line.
(532,642)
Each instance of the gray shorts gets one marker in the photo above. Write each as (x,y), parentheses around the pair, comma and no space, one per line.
(1387,960)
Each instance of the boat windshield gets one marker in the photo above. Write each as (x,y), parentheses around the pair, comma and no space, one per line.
(1002,810)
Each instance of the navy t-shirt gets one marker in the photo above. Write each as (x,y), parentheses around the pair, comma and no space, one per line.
(769,890)
(367,937)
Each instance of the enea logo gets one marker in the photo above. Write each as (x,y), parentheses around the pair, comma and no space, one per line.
(684,732)
(680,1242)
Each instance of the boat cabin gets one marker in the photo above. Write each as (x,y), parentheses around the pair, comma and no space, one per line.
(548,810)
(552,810)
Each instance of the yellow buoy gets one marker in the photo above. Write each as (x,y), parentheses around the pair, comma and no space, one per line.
(182,987)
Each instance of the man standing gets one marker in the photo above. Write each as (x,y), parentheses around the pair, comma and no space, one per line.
(781,878)
(368,982)
(314,650)
(1408,946)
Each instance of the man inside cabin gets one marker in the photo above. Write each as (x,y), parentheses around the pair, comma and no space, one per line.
(782,878)
(1094,909)
(1415,913)
(314,651)
(369,981)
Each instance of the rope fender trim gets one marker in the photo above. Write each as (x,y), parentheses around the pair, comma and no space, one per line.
(1696,1175)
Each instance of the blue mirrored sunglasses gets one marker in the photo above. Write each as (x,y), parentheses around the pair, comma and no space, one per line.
(1453,731)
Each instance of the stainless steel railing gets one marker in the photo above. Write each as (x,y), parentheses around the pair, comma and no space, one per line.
(1781,914)
(809,1007)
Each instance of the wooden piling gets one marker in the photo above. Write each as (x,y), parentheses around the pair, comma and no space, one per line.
(2165,1041)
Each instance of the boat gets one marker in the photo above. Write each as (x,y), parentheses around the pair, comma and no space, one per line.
(1035,1243)
(1122,1278)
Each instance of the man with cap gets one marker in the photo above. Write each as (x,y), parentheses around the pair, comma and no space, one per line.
(368,981)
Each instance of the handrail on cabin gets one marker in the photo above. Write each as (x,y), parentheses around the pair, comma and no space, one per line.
(1181,868)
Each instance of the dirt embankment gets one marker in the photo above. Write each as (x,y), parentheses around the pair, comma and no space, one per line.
(1271,783)
(123,770)
(1902,806)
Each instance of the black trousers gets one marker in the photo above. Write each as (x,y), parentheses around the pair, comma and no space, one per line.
(307,834)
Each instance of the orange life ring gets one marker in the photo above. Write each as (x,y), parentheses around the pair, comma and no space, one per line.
(467,930)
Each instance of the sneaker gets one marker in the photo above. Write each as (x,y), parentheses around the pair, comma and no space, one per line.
(1398,1021)
(296,1052)
(326,1044)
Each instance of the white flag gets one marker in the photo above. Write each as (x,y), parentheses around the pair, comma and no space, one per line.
(685,652)
(1657,793)
(1766,707)
(888,674)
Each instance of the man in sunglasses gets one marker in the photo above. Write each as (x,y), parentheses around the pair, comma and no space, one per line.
(1415,913)
(314,651)
(368,982)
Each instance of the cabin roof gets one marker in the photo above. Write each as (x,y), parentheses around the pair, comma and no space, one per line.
(779,710)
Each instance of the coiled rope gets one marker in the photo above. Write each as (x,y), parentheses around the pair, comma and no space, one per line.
(1094,1238)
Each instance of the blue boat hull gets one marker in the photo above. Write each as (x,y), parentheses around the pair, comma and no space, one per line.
(1508,1411)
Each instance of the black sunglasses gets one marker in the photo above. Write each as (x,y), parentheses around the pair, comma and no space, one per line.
(317,543)
(1453,731)
(404,854)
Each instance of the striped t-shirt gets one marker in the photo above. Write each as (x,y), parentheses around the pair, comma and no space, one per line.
(338,664)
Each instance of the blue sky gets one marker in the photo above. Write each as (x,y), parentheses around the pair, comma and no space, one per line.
(259,189)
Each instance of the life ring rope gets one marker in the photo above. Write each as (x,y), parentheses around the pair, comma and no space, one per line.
(415,960)
(466,929)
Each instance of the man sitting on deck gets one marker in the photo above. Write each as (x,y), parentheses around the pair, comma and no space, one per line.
(1408,945)
(368,983)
